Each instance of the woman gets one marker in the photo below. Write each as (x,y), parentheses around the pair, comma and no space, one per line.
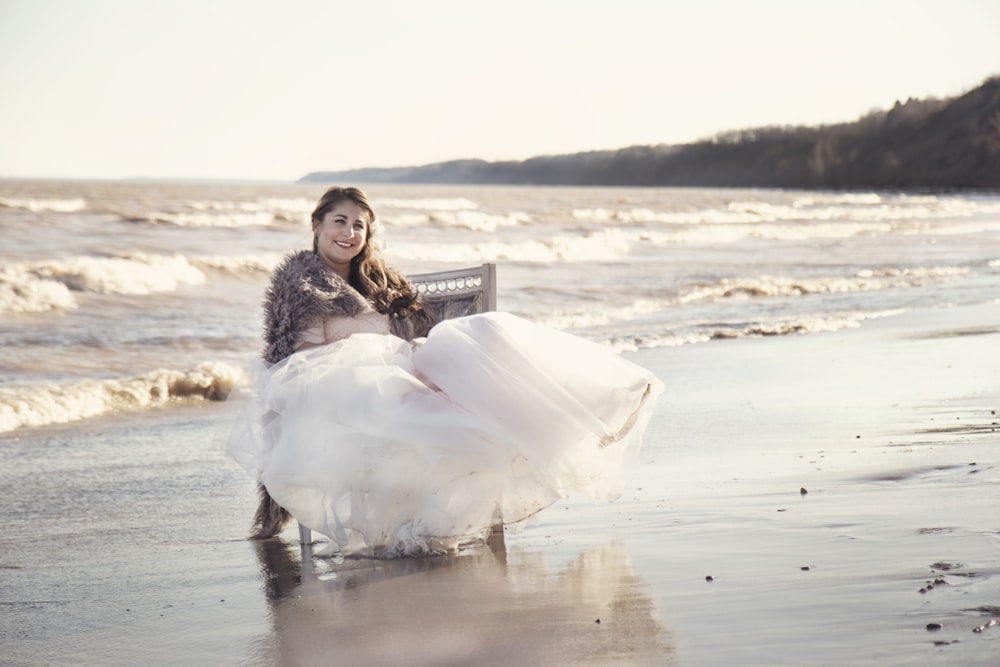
(305,300)
(392,443)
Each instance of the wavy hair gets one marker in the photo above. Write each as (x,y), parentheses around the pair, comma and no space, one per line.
(388,290)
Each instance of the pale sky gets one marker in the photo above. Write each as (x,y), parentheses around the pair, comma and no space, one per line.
(269,89)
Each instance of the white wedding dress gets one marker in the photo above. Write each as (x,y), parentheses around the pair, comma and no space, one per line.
(390,448)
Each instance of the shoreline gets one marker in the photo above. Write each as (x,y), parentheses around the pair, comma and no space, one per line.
(879,425)
(126,541)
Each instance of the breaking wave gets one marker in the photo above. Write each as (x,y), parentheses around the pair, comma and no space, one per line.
(192,213)
(862,281)
(477,221)
(581,319)
(39,205)
(808,324)
(429,203)
(238,264)
(266,212)
(731,233)
(32,287)
(868,207)
(606,245)
(41,405)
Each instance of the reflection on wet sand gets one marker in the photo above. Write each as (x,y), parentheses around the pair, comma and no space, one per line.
(480,607)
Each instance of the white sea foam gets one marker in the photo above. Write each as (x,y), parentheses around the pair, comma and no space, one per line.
(456,212)
(721,227)
(38,205)
(952,228)
(238,263)
(428,204)
(606,314)
(261,213)
(730,233)
(606,245)
(806,324)
(41,405)
(715,216)
(862,281)
(217,219)
(47,284)
(136,273)
(856,199)
(297,205)
(478,221)
(634,342)
(863,208)
(265,212)
(800,325)
(268,212)
(407,219)
(769,232)
(21,291)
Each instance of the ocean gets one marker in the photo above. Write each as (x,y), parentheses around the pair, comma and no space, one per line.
(825,448)
(119,297)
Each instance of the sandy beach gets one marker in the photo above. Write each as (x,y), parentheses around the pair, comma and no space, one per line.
(828,499)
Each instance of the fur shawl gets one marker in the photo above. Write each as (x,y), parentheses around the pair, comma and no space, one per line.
(303,290)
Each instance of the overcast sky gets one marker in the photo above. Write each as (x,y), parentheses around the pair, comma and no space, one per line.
(254,89)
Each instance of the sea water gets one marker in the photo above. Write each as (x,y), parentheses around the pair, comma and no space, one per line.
(128,309)
(121,297)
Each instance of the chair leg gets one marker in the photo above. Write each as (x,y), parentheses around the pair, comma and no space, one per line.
(495,541)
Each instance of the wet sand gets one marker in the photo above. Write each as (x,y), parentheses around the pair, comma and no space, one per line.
(813,500)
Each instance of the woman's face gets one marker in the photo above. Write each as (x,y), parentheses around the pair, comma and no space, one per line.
(341,235)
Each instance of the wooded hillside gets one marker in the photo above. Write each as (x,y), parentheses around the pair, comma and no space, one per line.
(918,144)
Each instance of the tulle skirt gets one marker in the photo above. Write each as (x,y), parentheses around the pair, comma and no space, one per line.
(391,448)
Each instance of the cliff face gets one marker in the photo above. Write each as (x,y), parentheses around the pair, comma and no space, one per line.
(936,144)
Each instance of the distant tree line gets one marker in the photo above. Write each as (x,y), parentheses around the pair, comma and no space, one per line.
(932,143)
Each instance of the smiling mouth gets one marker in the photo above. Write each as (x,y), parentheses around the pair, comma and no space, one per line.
(344,245)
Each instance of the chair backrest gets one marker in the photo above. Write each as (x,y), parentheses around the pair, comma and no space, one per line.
(449,294)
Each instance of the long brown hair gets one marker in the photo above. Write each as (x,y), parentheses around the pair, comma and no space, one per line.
(388,290)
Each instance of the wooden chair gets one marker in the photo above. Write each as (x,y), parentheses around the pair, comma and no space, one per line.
(449,294)
(446,295)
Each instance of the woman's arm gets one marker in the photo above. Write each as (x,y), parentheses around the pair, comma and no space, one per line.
(313,336)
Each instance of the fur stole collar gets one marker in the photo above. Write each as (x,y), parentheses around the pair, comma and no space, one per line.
(303,290)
